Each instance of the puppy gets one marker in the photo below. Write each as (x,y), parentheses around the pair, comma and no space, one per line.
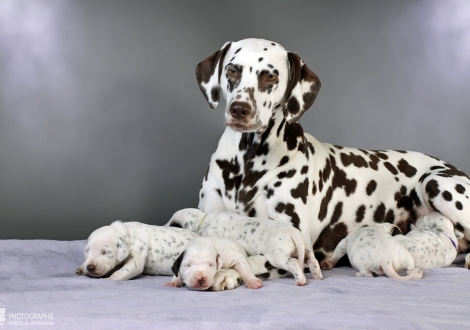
(372,250)
(125,250)
(277,241)
(204,256)
(432,241)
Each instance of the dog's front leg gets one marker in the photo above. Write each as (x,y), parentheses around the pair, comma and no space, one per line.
(133,266)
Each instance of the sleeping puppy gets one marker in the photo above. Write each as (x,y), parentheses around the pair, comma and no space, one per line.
(204,256)
(432,241)
(125,250)
(277,241)
(373,250)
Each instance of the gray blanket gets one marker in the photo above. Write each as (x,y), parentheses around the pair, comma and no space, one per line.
(38,284)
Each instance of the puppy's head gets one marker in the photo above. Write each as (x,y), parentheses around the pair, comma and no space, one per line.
(198,264)
(186,218)
(106,248)
(438,223)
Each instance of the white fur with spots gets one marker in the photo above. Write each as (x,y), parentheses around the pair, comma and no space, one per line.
(266,166)
(373,250)
(124,250)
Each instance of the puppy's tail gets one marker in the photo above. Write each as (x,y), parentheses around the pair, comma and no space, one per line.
(391,272)
(298,240)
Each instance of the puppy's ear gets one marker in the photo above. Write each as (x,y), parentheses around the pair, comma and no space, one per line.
(219,262)
(177,264)
(302,89)
(122,250)
(208,74)
(174,223)
(458,234)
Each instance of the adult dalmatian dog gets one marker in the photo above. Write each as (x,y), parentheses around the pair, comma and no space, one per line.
(266,166)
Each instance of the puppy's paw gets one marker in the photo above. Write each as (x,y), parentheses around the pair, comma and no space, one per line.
(173,284)
(301,281)
(226,279)
(79,271)
(327,264)
(253,283)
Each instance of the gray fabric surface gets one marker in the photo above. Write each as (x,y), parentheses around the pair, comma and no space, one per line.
(38,277)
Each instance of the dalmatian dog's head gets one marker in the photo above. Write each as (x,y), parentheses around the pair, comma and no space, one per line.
(106,248)
(257,78)
(198,264)
(438,223)
(189,218)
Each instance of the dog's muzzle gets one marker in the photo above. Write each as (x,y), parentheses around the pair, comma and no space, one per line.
(241,116)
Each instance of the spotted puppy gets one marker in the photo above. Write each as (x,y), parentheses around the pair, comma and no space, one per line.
(373,250)
(432,241)
(133,248)
(266,166)
(277,241)
(204,256)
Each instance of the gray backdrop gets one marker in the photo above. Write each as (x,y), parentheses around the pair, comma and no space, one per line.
(101,117)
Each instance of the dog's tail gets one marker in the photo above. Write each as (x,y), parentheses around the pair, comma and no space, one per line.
(299,243)
(391,272)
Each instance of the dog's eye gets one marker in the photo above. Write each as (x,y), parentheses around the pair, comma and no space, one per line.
(232,72)
(272,77)
(210,265)
(103,252)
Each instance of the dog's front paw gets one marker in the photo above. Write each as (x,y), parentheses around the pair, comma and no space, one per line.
(79,271)
(327,264)
(226,279)
(173,284)
(253,283)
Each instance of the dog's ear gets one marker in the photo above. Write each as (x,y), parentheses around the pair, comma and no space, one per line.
(458,234)
(219,262)
(208,74)
(302,89)
(122,248)
(177,264)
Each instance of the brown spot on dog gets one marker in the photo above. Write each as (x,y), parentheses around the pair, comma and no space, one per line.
(289,209)
(391,168)
(371,186)
(379,214)
(292,132)
(432,188)
(360,213)
(304,170)
(390,216)
(286,174)
(447,195)
(301,191)
(324,204)
(458,205)
(459,188)
(337,212)
(406,168)
(380,154)
(284,160)
(453,171)
(331,236)
(423,177)
(356,160)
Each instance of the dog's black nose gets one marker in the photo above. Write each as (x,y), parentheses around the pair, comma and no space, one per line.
(91,268)
(240,110)
(201,281)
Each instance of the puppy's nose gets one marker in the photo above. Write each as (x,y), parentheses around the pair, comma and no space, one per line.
(201,281)
(91,268)
(240,110)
